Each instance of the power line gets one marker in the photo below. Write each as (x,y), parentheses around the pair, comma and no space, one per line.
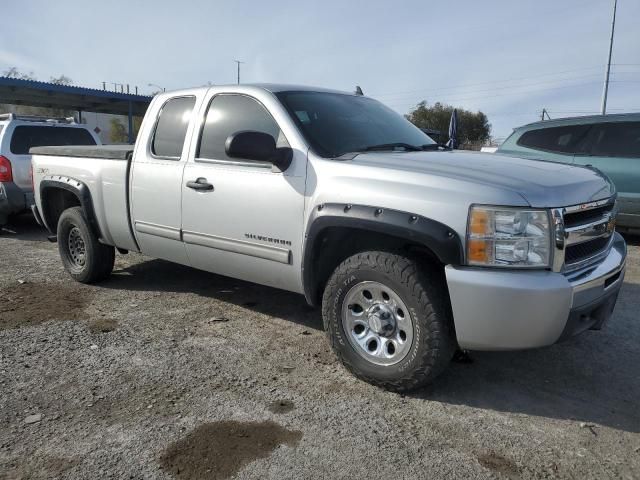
(464,96)
(458,98)
(490,82)
(554,112)
(499,87)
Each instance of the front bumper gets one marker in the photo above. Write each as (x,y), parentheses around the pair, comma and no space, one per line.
(12,200)
(511,310)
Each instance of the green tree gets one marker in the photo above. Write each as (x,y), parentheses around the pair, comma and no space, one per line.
(473,127)
(118,132)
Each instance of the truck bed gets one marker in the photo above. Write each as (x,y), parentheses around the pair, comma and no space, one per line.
(104,170)
(107,152)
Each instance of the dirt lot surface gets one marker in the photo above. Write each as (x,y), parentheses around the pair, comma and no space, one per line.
(167,372)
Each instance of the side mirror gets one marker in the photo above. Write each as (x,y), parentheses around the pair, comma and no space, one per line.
(258,146)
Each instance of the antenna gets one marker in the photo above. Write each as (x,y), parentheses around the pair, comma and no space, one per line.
(359,90)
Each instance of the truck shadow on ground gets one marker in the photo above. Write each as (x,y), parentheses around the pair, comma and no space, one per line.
(163,276)
(590,379)
(593,378)
(24,227)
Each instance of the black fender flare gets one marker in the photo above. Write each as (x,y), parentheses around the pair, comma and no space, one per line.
(442,240)
(79,189)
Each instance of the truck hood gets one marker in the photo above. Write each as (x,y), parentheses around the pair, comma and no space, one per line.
(542,184)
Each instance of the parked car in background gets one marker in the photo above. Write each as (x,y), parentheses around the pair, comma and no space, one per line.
(610,143)
(18,133)
(412,251)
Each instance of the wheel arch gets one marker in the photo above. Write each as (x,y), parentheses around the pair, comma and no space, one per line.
(337,231)
(58,194)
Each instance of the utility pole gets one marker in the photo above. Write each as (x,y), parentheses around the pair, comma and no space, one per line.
(238,62)
(605,92)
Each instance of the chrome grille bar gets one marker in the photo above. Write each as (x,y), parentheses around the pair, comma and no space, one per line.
(580,231)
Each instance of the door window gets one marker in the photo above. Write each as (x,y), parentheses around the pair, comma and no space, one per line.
(616,139)
(26,136)
(554,139)
(171,128)
(229,114)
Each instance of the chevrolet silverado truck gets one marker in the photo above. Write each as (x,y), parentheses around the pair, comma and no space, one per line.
(411,251)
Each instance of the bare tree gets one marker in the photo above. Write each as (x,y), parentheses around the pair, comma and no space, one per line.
(13,72)
(61,80)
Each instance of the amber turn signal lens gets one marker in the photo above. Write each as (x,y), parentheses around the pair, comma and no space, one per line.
(477,251)
(479,222)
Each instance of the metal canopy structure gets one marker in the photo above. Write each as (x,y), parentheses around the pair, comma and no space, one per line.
(50,95)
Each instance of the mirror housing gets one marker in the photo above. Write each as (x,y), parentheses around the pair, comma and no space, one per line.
(260,147)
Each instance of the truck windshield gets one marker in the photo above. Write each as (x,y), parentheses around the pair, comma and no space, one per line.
(335,124)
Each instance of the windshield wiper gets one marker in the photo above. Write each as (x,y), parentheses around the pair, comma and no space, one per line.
(434,146)
(391,146)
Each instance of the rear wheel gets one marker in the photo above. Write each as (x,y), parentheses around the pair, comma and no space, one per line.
(388,320)
(83,256)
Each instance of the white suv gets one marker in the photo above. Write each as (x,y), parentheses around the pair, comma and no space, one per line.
(18,133)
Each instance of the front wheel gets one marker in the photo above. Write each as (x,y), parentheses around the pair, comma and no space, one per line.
(83,256)
(388,320)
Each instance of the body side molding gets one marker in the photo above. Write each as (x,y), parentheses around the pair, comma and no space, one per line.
(267,252)
(158,230)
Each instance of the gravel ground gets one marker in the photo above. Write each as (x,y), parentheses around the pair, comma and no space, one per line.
(167,372)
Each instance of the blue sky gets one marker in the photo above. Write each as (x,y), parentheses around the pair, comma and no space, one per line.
(509,59)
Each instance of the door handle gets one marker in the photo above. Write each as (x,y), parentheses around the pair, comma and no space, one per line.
(200,184)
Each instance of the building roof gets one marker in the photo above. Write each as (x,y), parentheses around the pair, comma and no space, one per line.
(50,95)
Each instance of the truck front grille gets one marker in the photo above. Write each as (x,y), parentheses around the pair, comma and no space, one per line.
(587,232)
(583,217)
(583,251)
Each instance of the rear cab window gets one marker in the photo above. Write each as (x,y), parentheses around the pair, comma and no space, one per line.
(171,127)
(27,136)
(555,139)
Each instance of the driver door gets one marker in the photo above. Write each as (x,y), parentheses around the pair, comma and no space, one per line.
(246,221)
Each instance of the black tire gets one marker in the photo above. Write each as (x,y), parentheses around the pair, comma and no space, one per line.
(433,341)
(83,256)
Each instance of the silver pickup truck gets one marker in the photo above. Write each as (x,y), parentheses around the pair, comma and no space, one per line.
(412,251)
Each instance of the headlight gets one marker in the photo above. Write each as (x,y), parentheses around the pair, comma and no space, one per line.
(505,237)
